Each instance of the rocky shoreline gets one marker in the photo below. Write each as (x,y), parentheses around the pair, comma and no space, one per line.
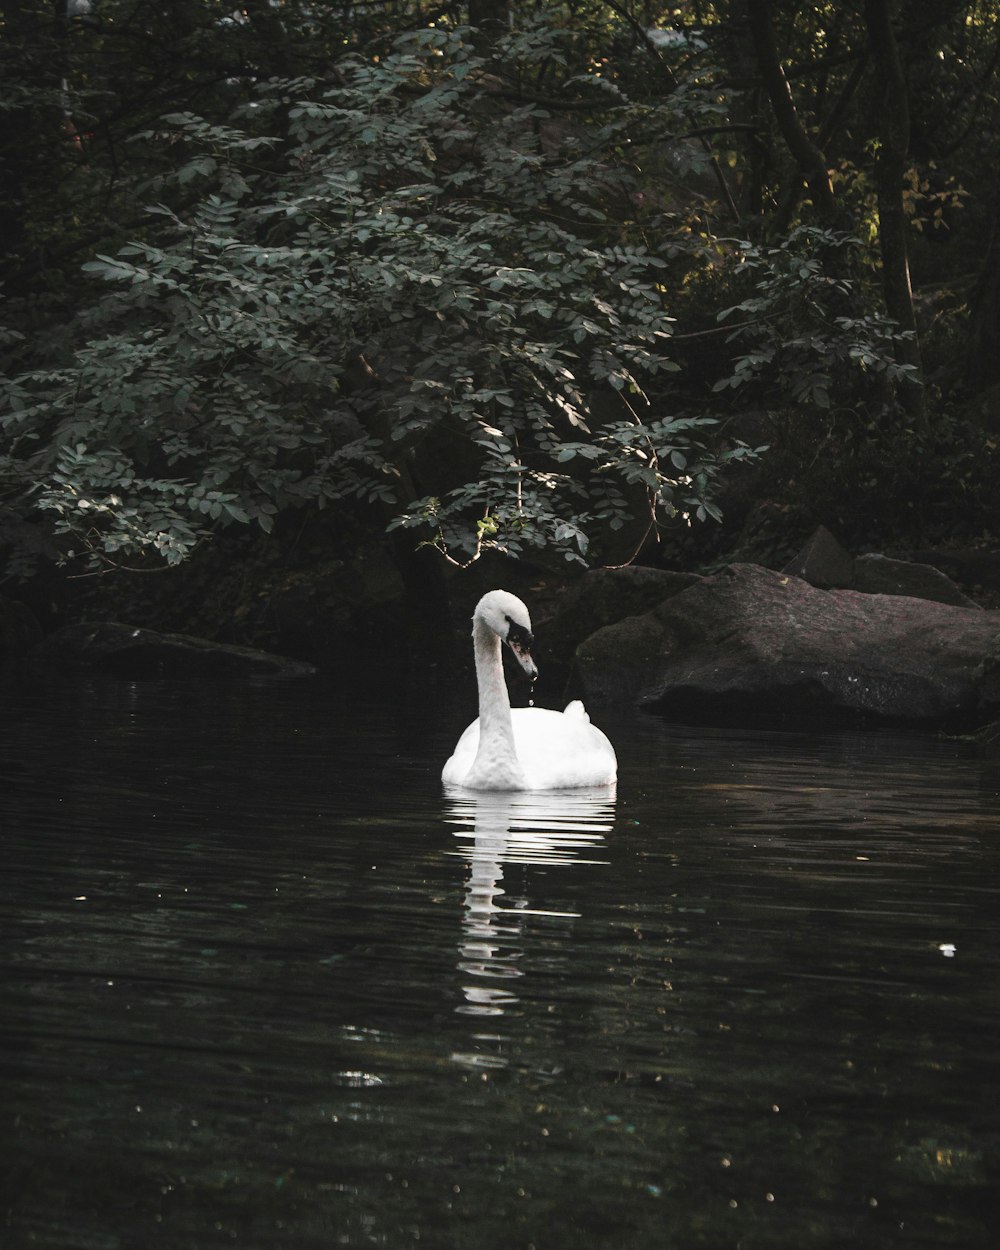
(829,637)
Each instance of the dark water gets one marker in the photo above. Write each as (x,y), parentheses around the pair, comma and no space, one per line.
(264,985)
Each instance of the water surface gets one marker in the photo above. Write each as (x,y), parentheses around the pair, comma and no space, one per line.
(264,984)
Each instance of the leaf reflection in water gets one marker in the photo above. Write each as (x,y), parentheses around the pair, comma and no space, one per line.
(553,827)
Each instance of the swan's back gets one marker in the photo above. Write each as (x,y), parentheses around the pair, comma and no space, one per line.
(562,750)
(555,751)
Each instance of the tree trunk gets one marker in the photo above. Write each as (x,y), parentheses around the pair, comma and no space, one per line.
(892,126)
(807,155)
(747,109)
(982,348)
(34,139)
(490,17)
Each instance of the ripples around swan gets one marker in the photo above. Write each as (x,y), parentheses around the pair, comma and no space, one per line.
(263,984)
(554,828)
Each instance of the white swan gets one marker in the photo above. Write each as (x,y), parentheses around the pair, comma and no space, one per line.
(529,748)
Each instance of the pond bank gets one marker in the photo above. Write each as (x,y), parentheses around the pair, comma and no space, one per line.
(828,636)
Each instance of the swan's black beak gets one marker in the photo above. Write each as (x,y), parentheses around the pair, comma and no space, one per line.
(520,640)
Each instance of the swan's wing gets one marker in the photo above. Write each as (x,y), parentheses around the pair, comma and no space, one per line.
(463,757)
(558,751)
(576,710)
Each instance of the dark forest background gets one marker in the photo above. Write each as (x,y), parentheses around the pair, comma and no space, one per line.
(306,301)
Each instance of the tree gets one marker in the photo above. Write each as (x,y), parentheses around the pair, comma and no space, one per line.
(493,291)
(893,128)
(401,285)
(810,160)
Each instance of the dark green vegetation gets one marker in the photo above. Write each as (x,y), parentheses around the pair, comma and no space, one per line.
(534,285)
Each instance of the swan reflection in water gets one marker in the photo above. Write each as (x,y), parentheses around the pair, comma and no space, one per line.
(553,827)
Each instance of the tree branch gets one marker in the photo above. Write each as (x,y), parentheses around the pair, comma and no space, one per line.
(893,129)
(806,154)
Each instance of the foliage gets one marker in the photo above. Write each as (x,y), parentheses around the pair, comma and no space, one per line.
(803,333)
(364,259)
(397,286)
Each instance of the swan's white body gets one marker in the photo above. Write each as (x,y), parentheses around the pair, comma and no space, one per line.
(525,748)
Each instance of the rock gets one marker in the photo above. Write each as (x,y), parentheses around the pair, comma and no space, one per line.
(973,568)
(598,598)
(603,596)
(139,654)
(880,575)
(823,562)
(19,630)
(749,643)
(771,534)
(330,600)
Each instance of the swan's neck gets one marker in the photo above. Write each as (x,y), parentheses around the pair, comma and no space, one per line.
(497,751)
(494,701)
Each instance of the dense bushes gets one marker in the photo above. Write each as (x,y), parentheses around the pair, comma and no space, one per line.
(536,289)
(397,285)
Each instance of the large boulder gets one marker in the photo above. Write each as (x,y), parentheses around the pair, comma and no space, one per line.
(881,575)
(601,597)
(974,568)
(749,642)
(138,654)
(823,562)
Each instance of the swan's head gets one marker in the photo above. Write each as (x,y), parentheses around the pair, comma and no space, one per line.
(508,618)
